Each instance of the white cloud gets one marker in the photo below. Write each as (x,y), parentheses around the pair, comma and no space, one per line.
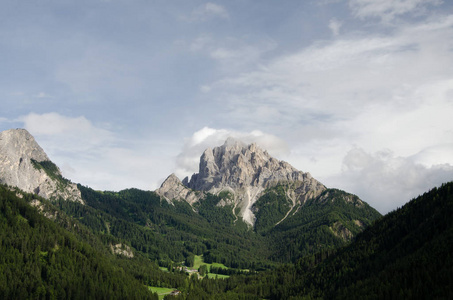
(122,167)
(208,11)
(387,181)
(335,26)
(187,161)
(91,154)
(435,155)
(389,9)
(347,79)
(79,132)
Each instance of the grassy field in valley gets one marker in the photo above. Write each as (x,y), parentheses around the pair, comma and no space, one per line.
(198,262)
(160,291)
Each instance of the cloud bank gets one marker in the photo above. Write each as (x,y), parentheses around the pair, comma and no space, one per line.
(388,181)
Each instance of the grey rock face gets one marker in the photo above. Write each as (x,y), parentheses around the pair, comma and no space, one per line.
(17,150)
(173,189)
(238,166)
(246,171)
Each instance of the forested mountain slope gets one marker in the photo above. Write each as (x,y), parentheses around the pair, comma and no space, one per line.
(170,233)
(176,231)
(328,221)
(406,254)
(40,259)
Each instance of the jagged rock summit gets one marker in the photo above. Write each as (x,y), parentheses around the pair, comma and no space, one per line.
(24,164)
(245,171)
(173,189)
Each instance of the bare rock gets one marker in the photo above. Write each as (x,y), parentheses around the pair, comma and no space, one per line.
(21,161)
(246,171)
(122,249)
(173,189)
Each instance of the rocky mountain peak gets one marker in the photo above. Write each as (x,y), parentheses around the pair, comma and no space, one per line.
(237,165)
(245,171)
(24,164)
(173,189)
(20,143)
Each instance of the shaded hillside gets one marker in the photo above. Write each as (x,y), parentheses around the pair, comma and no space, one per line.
(328,221)
(407,254)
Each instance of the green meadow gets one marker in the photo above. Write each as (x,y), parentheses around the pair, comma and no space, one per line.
(198,262)
(160,291)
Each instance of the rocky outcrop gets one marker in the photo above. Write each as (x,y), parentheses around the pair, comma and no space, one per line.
(24,164)
(173,189)
(245,171)
(339,230)
(121,249)
(45,211)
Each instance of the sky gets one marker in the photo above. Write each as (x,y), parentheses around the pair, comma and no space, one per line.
(121,94)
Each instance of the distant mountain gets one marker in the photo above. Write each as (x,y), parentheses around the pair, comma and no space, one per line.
(296,214)
(24,164)
(271,196)
(243,173)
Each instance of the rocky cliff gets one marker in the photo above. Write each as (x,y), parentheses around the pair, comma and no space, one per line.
(245,171)
(173,189)
(24,164)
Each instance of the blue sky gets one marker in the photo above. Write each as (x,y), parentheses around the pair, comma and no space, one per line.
(122,93)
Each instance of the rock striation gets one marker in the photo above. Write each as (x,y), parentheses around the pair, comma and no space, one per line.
(21,165)
(245,171)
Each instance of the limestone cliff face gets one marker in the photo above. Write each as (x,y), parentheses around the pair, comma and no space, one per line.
(237,166)
(173,189)
(20,166)
(246,171)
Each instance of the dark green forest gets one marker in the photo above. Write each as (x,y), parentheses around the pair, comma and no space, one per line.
(62,249)
(173,232)
(41,260)
(406,254)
